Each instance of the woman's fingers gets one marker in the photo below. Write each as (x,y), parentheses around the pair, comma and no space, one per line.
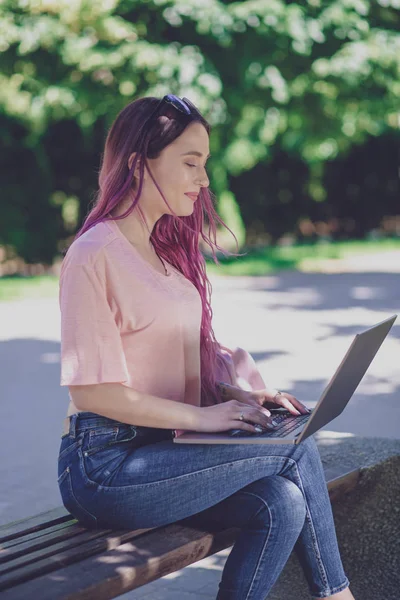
(251,399)
(294,406)
(243,426)
(256,416)
(286,403)
(302,408)
(261,416)
(256,399)
(299,405)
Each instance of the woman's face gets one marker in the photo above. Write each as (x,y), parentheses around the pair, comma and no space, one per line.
(176,173)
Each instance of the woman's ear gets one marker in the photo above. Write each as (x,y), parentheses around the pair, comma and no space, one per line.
(137,168)
(130,160)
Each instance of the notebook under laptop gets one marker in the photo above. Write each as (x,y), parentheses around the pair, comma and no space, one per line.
(294,429)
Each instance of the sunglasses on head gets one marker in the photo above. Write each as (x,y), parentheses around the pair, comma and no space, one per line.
(182,105)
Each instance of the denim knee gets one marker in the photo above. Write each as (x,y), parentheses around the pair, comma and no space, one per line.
(309,445)
(281,501)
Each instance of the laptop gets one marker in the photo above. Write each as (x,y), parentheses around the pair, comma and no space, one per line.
(294,429)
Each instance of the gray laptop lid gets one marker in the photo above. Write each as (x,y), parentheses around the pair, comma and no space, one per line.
(347,376)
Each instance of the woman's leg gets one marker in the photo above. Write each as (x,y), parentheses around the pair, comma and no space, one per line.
(163,482)
(316,545)
(270,514)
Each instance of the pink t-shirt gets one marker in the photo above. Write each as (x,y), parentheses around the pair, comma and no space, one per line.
(123,321)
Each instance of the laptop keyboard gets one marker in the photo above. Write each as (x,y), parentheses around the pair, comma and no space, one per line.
(286,424)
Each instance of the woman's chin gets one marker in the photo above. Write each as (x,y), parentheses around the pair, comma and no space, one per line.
(186,212)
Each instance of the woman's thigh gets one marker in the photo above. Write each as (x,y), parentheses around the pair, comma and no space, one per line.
(256,501)
(164,482)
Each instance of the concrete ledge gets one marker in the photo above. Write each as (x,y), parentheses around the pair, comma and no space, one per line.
(367,520)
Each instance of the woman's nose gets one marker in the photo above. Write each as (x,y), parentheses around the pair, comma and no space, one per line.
(204,181)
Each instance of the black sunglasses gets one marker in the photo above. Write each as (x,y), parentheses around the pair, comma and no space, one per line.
(182,105)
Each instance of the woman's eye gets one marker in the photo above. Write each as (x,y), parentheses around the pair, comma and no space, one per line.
(194,166)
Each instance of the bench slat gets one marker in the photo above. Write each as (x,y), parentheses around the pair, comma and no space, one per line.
(45,561)
(33,560)
(130,564)
(36,536)
(29,549)
(36,523)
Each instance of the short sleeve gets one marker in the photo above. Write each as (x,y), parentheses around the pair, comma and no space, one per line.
(91,346)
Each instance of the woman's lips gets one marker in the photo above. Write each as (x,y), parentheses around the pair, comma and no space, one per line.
(192,196)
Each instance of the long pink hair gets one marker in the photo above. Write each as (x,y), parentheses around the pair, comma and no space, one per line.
(176,239)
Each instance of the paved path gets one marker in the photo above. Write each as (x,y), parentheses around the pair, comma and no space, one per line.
(297,326)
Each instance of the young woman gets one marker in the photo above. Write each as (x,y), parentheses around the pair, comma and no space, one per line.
(140,359)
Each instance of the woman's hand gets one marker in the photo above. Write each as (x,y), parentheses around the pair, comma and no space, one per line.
(259,397)
(232,415)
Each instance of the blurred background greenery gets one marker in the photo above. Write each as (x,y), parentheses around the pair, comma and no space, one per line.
(303,99)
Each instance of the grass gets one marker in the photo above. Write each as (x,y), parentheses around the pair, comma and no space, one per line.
(15,287)
(257,262)
(271,259)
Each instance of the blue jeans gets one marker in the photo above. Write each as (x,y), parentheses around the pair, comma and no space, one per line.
(115,475)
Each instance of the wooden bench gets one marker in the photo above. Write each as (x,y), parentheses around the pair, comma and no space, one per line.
(51,557)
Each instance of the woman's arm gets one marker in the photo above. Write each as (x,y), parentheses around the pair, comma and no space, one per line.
(124,404)
(226,390)
(237,369)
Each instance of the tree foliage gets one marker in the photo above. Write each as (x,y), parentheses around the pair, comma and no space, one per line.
(309,79)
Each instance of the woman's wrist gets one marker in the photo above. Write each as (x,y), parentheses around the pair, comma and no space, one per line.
(226,391)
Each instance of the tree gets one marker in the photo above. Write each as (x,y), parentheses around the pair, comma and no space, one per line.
(314,78)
